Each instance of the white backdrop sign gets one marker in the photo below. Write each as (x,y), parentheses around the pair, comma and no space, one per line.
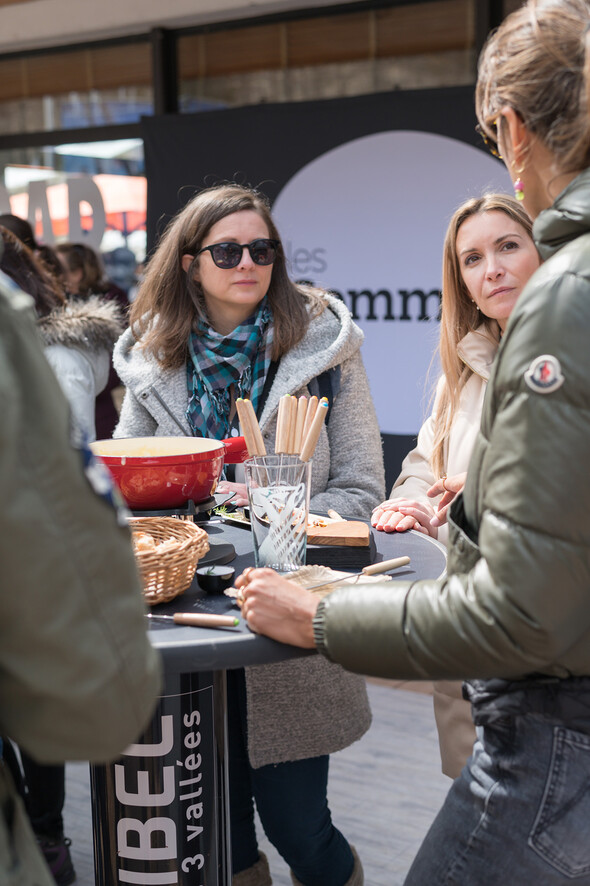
(367,219)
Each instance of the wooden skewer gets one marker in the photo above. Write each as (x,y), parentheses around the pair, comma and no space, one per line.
(246,426)
(259,440)
(250,427)
(312,406)
(282,434)
(301,414)
(310,442)
(292,424)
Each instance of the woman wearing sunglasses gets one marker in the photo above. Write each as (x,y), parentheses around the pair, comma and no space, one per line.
(217,318)
(488,256)
(513,612)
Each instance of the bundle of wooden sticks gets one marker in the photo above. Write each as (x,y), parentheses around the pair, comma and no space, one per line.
(299,425)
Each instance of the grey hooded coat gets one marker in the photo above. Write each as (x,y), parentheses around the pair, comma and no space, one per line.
(307,707)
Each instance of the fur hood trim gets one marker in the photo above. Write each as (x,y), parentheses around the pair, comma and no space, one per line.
(94,323)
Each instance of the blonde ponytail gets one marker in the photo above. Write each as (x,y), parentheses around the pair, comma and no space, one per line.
(538,63)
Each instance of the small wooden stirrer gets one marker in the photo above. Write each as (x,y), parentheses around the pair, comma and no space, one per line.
(310,442)
(282,438)
(250,427)
(246,426)
(312,406)
(258,438)
(292,424)
(301,414)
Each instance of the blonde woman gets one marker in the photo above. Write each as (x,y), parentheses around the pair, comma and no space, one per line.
(488,256)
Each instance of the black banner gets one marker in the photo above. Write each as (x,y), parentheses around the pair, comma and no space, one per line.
(265,145)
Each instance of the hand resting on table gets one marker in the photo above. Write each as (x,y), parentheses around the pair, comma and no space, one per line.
(401,514)
(276,607)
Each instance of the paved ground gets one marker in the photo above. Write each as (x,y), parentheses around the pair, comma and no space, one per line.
(384,790)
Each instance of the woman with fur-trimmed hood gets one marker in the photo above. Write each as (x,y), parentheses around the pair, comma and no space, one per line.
(78,335)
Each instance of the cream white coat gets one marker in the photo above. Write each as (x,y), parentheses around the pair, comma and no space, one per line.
(477,350)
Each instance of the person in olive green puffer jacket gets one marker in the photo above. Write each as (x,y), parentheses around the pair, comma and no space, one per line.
(78,676)
(513,612)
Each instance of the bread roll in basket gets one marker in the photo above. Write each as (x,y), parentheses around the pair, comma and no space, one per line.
(167,550)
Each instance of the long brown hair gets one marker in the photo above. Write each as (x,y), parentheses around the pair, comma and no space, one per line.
(538,63)
(170,300)
(31,274)
(459,315)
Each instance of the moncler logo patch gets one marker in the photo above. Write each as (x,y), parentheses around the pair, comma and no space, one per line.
(544,374)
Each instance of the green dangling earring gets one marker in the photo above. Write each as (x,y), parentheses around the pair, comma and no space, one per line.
(518,185)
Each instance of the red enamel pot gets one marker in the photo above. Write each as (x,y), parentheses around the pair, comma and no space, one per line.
(165,472)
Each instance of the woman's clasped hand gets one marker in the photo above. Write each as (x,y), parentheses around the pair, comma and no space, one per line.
(401,514)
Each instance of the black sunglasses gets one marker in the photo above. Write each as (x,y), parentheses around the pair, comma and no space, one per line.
(229,255)
(490,144)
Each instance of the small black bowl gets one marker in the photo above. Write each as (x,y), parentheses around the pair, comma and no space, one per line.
(215,579)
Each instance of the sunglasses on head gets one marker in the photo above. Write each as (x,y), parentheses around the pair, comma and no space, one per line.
(229,255)
(490,144)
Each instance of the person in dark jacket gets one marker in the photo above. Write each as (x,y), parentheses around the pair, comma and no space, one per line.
(513,612)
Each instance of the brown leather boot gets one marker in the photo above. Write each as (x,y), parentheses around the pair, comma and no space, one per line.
(357,878)
(257,875)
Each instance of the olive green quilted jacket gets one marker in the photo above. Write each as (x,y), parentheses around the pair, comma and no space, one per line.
(516,599)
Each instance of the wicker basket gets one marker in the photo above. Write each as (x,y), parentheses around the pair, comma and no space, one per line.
(167,573)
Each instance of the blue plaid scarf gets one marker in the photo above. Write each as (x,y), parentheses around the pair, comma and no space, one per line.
(216,362)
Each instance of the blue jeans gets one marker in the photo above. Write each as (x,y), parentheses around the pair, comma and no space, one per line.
(520,811)
(291,799)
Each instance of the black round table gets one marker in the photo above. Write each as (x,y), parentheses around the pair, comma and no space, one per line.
(161,812)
